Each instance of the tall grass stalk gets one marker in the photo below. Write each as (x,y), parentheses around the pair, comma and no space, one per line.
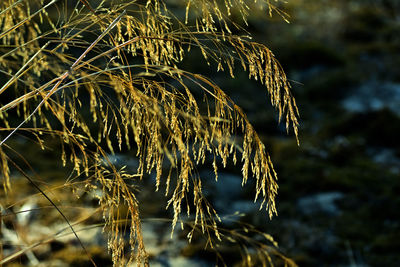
(95,77)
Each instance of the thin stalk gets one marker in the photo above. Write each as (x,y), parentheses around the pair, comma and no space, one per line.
(16,75)
(11,6)
(65,75)
(55,206)
(26,20)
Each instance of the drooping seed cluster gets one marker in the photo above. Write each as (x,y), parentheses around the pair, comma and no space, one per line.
(138,98)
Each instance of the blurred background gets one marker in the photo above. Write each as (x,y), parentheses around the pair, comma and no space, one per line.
(339,190)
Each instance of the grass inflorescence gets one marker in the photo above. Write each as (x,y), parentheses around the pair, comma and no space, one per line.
(97,79)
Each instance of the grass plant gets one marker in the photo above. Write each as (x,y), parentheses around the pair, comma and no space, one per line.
(95,77)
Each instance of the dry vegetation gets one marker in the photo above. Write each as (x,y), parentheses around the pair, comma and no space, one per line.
(120,59)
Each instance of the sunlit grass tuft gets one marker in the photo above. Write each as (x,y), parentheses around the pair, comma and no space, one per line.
(103,78)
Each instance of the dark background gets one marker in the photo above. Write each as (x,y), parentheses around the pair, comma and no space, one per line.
(338,200)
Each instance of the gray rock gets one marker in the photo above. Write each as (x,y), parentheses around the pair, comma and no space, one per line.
(374,95)
(321,202)
(385,157)
(224,192)
(245,206)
